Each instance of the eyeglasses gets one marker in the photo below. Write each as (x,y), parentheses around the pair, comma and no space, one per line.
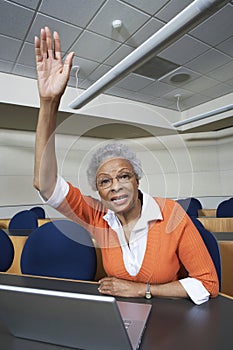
(104,182)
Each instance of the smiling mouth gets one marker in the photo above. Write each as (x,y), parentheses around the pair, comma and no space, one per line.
(119,199)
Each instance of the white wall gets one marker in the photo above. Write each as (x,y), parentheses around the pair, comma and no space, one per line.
(174,167)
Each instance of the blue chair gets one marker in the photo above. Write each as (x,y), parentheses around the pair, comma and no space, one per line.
(6,251)
(225,209)
(23,223)
(39,211)
(61,249)
(212,246)
(190,205)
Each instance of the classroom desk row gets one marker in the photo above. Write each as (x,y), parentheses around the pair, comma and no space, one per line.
(217,224)
(207,212)
(173,323)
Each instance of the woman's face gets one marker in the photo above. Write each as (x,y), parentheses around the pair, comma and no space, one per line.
(117,185)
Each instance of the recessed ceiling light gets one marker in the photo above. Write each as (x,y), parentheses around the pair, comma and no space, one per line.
(180,77)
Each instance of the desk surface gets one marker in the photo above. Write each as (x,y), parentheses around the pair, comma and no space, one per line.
(173,324)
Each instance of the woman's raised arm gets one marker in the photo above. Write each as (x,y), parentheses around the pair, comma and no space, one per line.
(53,76)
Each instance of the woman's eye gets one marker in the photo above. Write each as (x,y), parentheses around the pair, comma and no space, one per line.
(125,176)
(104,182)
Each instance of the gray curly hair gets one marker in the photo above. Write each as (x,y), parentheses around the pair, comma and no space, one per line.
(108,151)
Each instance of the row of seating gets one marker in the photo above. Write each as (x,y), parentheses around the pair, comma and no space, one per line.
(193,206)
(64,249)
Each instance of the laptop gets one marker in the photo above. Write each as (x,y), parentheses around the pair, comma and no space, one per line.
(79,321)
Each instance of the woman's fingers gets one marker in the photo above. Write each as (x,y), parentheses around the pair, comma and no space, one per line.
(43,43)
(49,42)
(57,46)
(37,50)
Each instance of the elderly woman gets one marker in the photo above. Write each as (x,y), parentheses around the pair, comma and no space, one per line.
(149,245)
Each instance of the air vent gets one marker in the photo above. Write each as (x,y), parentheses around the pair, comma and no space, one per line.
(156,67)
(180,78)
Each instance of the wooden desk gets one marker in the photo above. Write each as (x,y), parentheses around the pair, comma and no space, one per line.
(217,224)
(207,212)
(173,324)
(4,223)
(226,250)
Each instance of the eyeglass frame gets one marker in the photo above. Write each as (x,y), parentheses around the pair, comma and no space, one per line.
(117,177)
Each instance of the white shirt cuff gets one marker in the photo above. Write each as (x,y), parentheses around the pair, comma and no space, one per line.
(59,194)
(195,289)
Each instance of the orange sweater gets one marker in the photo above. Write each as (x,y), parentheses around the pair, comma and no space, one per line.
(173,243)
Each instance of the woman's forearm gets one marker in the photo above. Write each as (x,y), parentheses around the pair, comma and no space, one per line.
(45,166)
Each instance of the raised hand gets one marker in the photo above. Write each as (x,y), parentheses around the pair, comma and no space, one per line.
(52,74)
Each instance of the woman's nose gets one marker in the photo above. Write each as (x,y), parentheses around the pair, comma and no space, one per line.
(115,184)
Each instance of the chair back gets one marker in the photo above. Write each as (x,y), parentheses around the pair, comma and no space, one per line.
(39,211)
(225,209)
(23,223)
(212,246)
(6,251)
(61,249)
(190,205)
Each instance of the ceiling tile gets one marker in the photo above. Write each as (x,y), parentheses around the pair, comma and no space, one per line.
(26,71)
(75,12)
(99,72)
(6,66)
(200,84)
(218,90)
(119,54)
(68,33)
(145,32)
(172,9)
(85,67)
(11,23)
(27,55)
(208,61)
(127,94)
(91,45)
(178,92)
(9,48)
(226,46)
(184,50)
(179,77)
(134,82)
(229,82)
(161,102)
(157,89)
(32,4)
(155,68)
(222,73)
(149,6)
(85,84)
(216,28)
(194,100)
(131,18)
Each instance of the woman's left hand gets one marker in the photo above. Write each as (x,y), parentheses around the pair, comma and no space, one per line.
(123,288)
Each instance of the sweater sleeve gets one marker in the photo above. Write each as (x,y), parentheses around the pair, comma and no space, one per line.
(196,259)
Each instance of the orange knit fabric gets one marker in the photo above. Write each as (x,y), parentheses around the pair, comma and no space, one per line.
(173,243)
